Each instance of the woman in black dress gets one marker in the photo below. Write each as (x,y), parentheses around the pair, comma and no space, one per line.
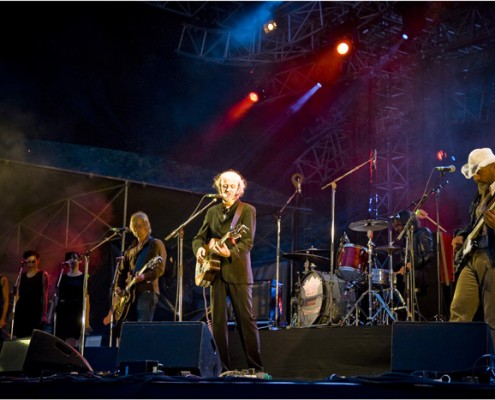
(31,297)
(70,302)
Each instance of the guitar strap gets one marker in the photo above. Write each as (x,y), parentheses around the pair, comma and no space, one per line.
(237,215)
(142,257)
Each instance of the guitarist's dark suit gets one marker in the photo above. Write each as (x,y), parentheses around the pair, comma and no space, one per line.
(234,279)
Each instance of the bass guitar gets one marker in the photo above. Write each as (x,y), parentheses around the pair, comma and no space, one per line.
(124,298)
(470,242)
(206,271)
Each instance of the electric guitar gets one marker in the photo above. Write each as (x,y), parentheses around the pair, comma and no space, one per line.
(206,271)
(470,242)
(123,300)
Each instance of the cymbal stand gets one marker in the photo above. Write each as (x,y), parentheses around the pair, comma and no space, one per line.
(372,295)
(392,292)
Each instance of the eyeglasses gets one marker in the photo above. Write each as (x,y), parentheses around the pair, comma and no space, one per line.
(31,262)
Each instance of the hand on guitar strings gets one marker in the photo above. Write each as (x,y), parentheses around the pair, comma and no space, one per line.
(221,249)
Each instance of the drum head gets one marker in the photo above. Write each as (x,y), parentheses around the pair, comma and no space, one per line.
(314,299)
(311,298)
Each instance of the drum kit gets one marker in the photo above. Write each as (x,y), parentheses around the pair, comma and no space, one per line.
(323,298)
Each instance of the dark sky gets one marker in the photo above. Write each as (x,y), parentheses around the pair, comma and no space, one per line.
(103,73)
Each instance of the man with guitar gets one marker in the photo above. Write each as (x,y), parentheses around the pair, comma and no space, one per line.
(475,245)
(136,289)
(234,277)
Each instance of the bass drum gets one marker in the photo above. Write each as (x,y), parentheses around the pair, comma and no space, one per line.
(314,299)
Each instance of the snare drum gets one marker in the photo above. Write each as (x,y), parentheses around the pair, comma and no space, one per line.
(353,260)
(381,277)
(314,299)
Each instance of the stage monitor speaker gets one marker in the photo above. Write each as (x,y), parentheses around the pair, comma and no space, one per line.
(13,355)
(50,353)
(178,347)
(440,346)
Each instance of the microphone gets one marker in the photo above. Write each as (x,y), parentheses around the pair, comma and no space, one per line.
(449,168)
(124,229)
(65,263)
(214,196)
(298,189)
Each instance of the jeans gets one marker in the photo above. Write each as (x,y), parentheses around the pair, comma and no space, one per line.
(145,306)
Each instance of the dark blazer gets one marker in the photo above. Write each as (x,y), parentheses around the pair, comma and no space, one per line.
(236,268)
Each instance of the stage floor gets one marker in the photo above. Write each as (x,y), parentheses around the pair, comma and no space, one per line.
(426,360)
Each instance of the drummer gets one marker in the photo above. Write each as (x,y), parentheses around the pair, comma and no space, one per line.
(425,274)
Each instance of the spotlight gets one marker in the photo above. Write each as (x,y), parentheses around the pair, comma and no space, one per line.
(343,47)
(253,96)
(270,26)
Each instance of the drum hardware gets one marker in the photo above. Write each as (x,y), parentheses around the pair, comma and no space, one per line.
(370,293)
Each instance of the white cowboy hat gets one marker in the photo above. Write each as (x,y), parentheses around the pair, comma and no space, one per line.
(478,159)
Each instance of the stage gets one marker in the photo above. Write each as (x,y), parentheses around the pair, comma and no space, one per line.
(403,360)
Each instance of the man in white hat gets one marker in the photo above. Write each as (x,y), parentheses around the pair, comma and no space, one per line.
(476,263)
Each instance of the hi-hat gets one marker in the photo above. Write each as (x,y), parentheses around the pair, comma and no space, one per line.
(388,248)
(311,258)
(368,225)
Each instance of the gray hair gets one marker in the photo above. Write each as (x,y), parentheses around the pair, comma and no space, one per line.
(242,182)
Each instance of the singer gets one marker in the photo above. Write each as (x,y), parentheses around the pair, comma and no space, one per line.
(476,278)
(142,297)
(69,305)
(235,277)
(32,297)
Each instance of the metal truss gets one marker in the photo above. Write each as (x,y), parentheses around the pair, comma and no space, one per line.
(454,38)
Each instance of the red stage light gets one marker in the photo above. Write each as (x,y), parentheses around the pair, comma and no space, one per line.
(441,155)
(343,47)
(253,96)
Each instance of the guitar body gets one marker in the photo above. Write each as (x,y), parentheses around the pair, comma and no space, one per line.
(206,272)
(122,304)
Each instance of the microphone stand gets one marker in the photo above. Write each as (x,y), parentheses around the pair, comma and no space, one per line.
(277,263)
(85,291)
(332,229)
(407,228)
(112,286)
(440,316)
(55,300)
(14,292)
(179,232)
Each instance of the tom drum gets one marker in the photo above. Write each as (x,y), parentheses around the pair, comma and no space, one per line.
(352,261)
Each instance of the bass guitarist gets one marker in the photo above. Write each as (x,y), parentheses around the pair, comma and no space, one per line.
(235,277)
(139,300)
(475,246)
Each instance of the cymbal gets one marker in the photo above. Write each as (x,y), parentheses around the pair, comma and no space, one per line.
(368,225)
(388,248)
(315,251)
(312,258)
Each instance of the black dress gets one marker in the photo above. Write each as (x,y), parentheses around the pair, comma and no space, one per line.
(29,306)
(70,307)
